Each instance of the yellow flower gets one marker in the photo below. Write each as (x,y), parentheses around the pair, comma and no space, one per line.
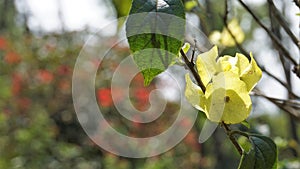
(224,38)
(228,81)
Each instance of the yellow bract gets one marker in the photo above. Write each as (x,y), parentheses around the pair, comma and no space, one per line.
(189,5)
(224,38)
(228,81)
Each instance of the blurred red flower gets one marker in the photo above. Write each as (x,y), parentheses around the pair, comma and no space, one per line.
(16,84)
(142,95)
(44,76)
(138,80)
(191,140)
(12,57)
(104,97)
(63,70)
(3,44)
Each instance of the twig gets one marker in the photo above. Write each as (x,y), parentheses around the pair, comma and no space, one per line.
(282,105)
(232,138)
(193,54)
(297,2)
(283,23)
(279,81)
(226,11)
(192,69)
(271,35)
(296,70)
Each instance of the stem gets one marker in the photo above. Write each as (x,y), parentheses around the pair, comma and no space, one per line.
(193,54)
(192,69)
(232,138)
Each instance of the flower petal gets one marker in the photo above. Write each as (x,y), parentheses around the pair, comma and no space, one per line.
(227,99)
(206,64)
(227,63)
(251,75)
(242,63)
(194,94)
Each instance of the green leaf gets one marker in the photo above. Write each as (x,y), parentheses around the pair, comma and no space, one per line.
(245,143)
(122,8)
(246,124)
(155,31)
(263,154)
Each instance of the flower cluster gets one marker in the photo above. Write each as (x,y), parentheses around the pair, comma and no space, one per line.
(228,81)
(225,38)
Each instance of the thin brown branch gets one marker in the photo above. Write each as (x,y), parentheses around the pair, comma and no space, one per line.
(226,12)
(284,84)
(280,19)
(280,104)
(269,32)
(297,2)
(296,70)
(190,65)
(274,77)
(232,138)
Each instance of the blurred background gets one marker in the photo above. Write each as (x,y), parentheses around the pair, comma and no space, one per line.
(39,44)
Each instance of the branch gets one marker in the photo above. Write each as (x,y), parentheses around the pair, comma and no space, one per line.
(226,12)
(296,70)
(285,105)
(232,138)
(283,23)
(284,84)
(297,2)
(271,35)
(192,69)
